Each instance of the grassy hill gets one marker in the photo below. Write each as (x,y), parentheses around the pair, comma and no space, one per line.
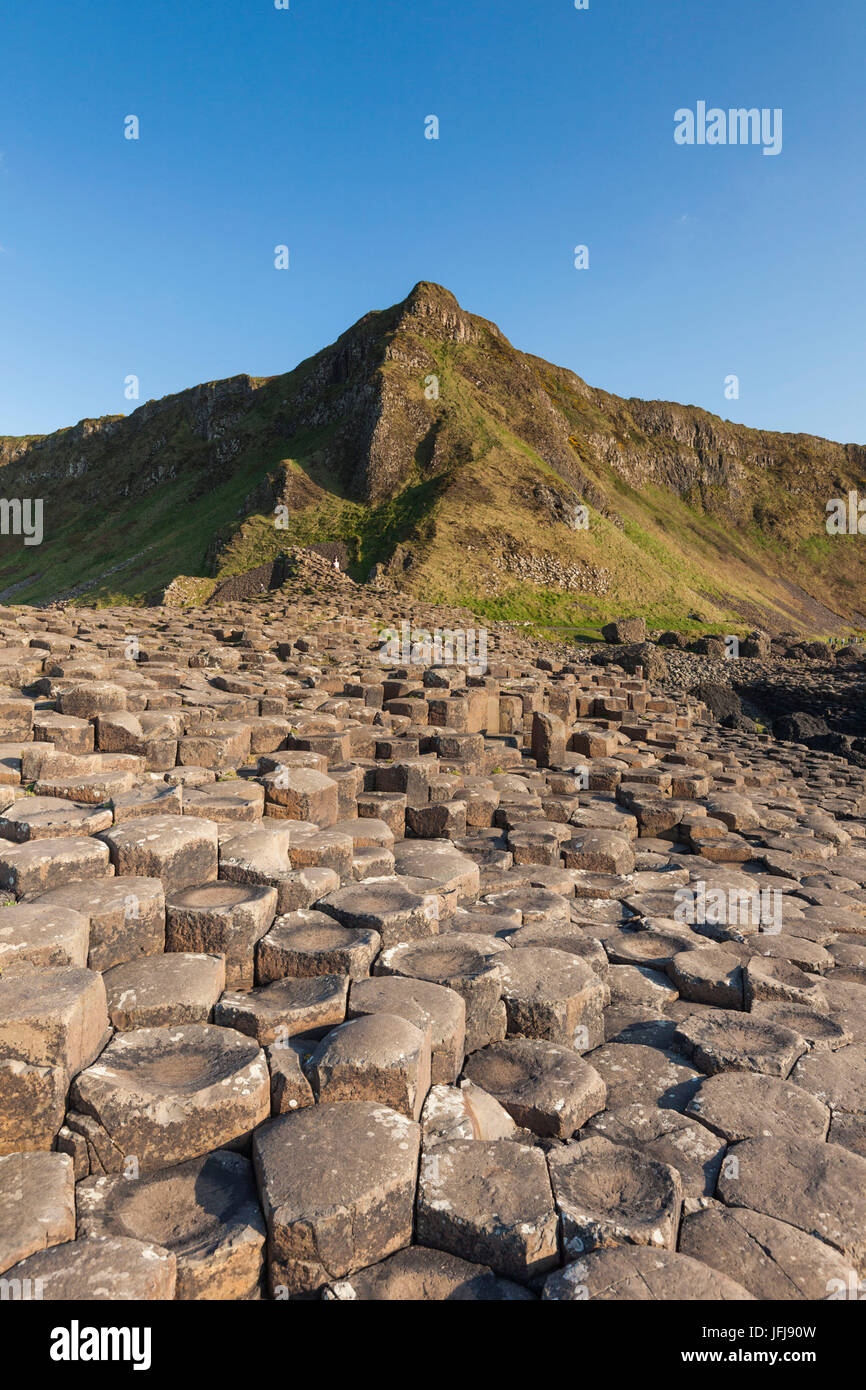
(438,452)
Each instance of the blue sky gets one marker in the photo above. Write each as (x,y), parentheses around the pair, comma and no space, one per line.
(305,127)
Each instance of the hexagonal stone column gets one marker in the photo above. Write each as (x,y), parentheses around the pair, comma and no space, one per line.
(545,1087)
(724,1040)
(436,1007)
(223,918)
(770,1258)
(300,793)
(276,1013)
(765,979)
(836,1078)
(38,865)
(639,1075)
(446,870)
(708,977)
(666,1135)
(746,1105)
(600,851)
(379,1057)
(387,907)
(16,718)
(126,916)
(32,1105)
(226,801)
(162,1095)
(536,906)
(94,1269)
(52,1023)
(221,744)
(179,850)
(819,1188)
(637,1274)
(158,991)
(311,848)
(822,1032)
(35,935)
(491,1202)
(419,1275)
(92,698)
(607,1194)
(50,817)
(308,943)
(37,1204)
(549,994)
(337,1184)
(205,1212)
(468,963)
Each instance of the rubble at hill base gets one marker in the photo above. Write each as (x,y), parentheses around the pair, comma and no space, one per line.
(321,979)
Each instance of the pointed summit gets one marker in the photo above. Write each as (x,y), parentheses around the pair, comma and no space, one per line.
(441,311)
(427,291)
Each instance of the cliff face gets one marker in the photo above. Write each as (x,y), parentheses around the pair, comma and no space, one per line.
(435,450)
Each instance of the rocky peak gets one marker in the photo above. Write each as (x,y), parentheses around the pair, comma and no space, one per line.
(438,311)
